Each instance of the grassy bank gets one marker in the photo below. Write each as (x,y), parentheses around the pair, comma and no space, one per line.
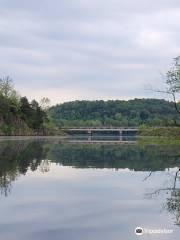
(143,141)
(170,132)
(159,135)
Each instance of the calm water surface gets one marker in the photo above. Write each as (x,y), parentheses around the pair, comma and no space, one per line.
(52,189)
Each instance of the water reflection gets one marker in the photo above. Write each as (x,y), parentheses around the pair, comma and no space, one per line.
(101,138)
(172,192)
(16,157)
(19,157)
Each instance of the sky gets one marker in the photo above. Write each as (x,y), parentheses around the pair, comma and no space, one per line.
(88,49)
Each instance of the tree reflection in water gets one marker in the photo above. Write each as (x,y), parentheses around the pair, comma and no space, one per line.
(6,183)
(172,204)
(45,166)
(17,157)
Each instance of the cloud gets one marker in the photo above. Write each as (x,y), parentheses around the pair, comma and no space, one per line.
(87,49)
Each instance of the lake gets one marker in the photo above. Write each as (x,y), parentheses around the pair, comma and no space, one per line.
(80,189)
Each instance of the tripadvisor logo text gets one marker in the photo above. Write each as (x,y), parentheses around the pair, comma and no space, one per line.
(140,231)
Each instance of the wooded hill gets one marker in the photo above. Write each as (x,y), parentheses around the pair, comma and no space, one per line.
(152,112)
(18,116)
(21,118)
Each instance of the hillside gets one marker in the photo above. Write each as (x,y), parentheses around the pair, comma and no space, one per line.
(152,112)
(18,116)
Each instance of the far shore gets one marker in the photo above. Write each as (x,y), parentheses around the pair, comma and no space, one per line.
(31,137)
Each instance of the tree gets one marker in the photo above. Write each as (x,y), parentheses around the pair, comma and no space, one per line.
(32,113)
(144,114)
(38,115)
(7,88)
(173,81)
(173,201)
(45,103)
(25,108)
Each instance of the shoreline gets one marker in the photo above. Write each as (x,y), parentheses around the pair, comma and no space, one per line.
(168,132)
(31,137)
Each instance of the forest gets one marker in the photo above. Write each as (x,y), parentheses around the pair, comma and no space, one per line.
(150,112)
(19,116)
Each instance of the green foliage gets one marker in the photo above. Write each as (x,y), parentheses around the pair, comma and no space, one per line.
(151,112)
(17,115)
(165,132)
(7,89)
(32,113)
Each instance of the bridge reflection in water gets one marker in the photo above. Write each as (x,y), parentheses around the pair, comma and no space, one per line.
(102,135)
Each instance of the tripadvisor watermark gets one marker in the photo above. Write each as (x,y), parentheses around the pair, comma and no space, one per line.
(141,231)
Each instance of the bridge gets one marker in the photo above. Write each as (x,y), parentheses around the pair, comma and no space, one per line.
(91,130)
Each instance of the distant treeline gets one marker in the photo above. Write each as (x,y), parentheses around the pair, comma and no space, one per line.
(18,116)
(151,112)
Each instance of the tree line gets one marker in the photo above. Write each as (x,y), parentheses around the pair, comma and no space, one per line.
(152,112)
(18,116)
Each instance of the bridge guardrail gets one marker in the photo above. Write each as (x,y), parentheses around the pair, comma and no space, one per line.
(100,128)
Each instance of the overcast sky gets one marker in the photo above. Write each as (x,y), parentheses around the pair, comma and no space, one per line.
(88,49)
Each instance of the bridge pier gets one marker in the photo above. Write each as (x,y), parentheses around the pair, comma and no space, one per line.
(120,135)
(89,134)
(89,137)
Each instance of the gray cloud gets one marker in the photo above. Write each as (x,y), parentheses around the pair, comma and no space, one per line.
(86,49)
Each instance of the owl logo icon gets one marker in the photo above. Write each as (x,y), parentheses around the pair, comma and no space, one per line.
(139,231)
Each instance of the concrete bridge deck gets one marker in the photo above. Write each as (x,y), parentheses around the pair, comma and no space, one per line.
(102,129)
